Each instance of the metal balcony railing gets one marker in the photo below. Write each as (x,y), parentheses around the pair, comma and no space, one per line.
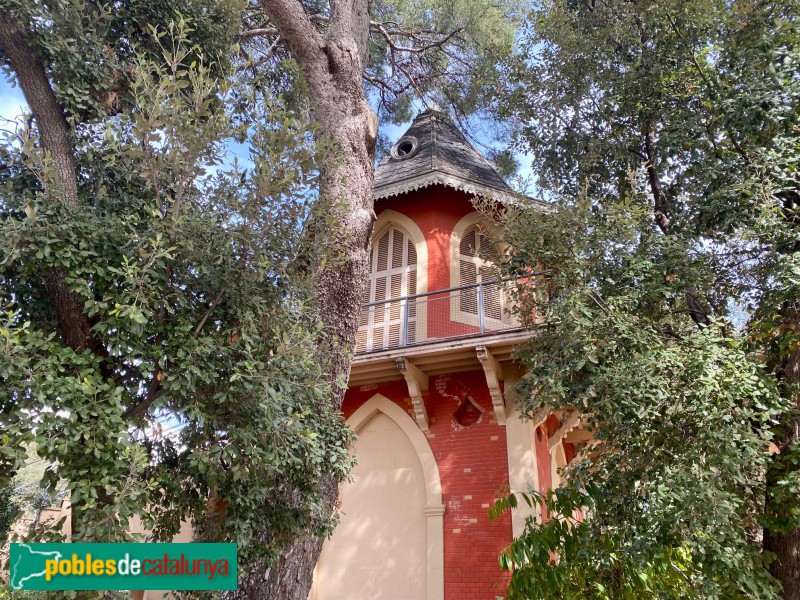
(466,311)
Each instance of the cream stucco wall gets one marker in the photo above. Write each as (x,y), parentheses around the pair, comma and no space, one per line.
(522,467)
(389,542)
(379,547)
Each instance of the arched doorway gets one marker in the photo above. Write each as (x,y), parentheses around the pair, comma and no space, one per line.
(389,542)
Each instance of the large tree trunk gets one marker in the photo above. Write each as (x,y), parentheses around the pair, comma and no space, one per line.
(785,544)
(61,187)
(47,112)
(332,65)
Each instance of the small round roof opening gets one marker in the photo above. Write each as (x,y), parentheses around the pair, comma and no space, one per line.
(405,147)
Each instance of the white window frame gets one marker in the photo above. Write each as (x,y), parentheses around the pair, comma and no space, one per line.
(388,220)
(464,226)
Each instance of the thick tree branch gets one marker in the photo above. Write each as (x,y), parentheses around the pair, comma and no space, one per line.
(54,135)
(254,63)
(659,198)
(150,397)
(698,309)
(49,116)
(303,39)
(254,33)
(390,39)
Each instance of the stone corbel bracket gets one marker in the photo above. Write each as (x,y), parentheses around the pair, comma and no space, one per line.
(494,375)
(417,383)
(540,416)
(570,423)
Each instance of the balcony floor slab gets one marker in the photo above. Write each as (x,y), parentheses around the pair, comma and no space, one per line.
(435,358)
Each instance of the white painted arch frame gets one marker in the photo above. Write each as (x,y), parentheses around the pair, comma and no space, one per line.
(389,218)
(558,460)
(466,222)
(434,509)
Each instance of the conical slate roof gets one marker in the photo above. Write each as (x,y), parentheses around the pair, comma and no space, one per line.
(432,152)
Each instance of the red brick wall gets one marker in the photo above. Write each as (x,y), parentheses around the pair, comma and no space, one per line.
(473,467)
(473,464)
(436,210)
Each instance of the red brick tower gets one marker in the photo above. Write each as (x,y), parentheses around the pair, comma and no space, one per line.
(430,393)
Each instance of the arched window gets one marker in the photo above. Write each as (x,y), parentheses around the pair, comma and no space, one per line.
(476,259)
(390,319)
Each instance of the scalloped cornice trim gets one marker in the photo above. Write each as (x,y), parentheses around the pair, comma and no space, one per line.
(456,183)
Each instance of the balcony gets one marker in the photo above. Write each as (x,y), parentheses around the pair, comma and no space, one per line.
(471,327)
(469,311)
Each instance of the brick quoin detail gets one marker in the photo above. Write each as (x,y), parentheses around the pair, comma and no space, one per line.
(472,463)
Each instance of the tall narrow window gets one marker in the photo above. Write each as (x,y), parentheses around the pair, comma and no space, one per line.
(477,256)
(390,319)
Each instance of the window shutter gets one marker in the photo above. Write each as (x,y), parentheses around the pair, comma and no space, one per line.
(477,258)
(412,302)
(488,252)
(380,296)
(467,247)
(492,301)
(468,272)
(383,252)
(397,249)
(393,270)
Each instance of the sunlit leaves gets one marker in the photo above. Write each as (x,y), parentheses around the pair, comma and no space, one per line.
(691,108)
(191,266)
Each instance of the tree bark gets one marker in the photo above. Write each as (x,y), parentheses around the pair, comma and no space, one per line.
(47,112)
(785,544)
(332,65)
(698,310)
(54,138)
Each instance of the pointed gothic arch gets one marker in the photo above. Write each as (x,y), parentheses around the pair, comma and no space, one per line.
(380,406)
(434,509)
(380,403)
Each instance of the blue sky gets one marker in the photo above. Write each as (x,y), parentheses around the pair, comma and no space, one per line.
(12,102)
(12,105)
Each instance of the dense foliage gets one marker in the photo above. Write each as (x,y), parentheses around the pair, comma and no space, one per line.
(666,135)
(463,40)
(194,277)
(9,510)
(429,53)
(683,416)
(148,279)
